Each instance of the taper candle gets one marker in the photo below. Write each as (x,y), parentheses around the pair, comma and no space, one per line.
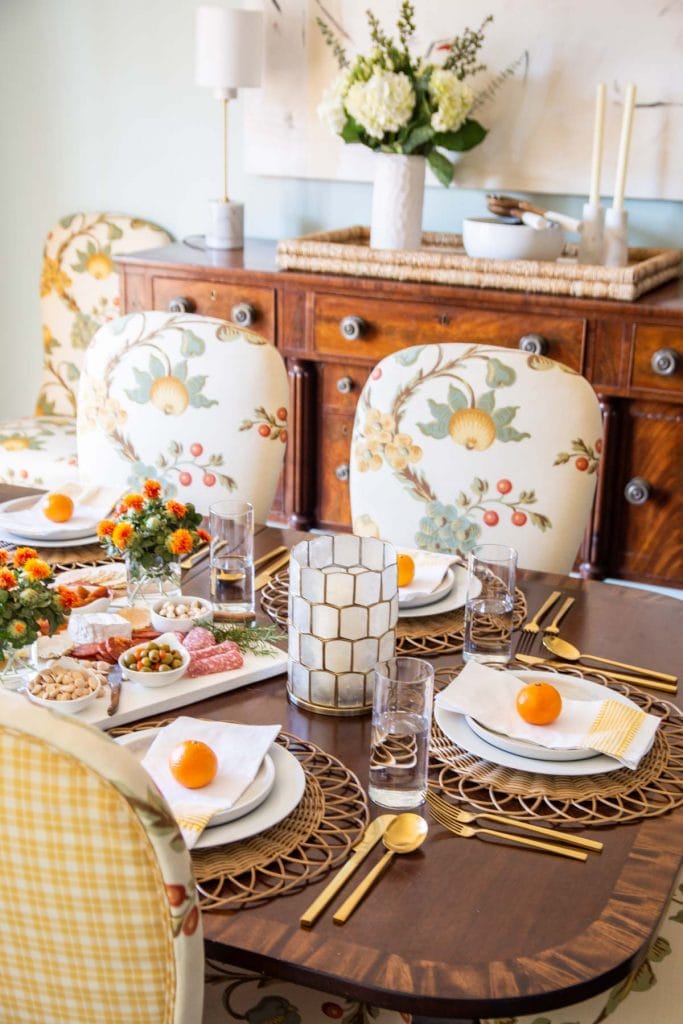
(624,144)
(598,138)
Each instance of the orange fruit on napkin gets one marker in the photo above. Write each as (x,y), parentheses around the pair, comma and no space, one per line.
(406,570)
(58,508)
(193,764)
(539,703)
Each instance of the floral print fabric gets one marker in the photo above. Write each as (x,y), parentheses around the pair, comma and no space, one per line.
(38,451)
(456,445)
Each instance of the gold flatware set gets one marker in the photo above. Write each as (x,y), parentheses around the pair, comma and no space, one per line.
(274,560)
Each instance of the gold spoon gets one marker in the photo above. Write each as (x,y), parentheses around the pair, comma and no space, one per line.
(406,833)
(563,649)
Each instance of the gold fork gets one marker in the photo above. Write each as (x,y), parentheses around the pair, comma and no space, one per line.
(554,626)
(446,810)
(465,832)
(531,628)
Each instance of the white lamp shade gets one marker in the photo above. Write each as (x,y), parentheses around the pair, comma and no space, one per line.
(229,53)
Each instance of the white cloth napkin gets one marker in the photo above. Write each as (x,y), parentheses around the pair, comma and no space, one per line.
(621,730)
(240,749)
(430,569)
(90,505)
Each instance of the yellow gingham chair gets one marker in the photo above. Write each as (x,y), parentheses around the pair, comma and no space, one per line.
(100,917)
(79,291)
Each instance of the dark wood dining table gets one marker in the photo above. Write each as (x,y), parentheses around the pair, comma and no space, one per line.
(467,928)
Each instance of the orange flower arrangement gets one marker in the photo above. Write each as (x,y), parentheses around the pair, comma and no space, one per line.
(26,601)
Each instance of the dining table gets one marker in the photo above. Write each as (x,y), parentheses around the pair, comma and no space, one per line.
(467,929)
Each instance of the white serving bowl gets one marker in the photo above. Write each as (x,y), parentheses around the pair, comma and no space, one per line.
(157,679)
(66,707)
(100,604)
(489,238)
(165,623)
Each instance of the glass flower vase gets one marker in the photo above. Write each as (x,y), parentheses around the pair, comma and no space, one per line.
(15,671)
(147,584)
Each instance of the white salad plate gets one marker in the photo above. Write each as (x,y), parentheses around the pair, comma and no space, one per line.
(77,528)
(423,599)
(11,538)
(453,599)
(527,748)
(284,793)
(457,728)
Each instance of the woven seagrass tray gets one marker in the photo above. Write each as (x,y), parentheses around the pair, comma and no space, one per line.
(442,260)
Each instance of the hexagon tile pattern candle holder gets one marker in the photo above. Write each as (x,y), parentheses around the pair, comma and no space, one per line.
(343,609)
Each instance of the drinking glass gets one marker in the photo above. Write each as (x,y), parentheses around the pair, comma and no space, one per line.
(491,573)
(401,719)
(231,560)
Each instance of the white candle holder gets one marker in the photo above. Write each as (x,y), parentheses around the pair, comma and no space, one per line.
(615,243)
(343,609)
(592,233)
(226,225)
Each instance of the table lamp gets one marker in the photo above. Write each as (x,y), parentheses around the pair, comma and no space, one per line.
(229,56)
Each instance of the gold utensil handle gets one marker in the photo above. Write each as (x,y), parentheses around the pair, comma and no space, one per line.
(528,659)
(273,567)
(362,889)
(547,604)
(561,851)
(561,614)
(588,844)
(269,556)
(188,562)
(649,672)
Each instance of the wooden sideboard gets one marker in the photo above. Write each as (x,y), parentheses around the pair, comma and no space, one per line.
(333,329)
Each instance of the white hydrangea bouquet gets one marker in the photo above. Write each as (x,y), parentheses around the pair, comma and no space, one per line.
(394,102)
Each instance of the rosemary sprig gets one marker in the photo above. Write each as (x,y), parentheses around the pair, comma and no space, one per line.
(249,639)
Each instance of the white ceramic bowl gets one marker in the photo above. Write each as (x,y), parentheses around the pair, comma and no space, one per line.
(100,604)
(489,238)
(66,707)
(157,679)
(181,625)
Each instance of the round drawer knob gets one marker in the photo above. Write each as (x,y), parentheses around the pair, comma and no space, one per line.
(352,327)
(180,304)
(637,491)
(342,472)
(665,362)
(535,344)
(243,314)
(345,385)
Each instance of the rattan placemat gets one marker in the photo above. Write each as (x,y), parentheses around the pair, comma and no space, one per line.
(69,557)
(654,788)
(428,635)
(309,842)
(443,260)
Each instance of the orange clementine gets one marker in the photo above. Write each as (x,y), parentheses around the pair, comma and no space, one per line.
(58,508)
(193,764)
(539,703)
(406,570)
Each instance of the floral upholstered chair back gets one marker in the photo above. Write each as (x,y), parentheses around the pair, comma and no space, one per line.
(100,915)
(79,290)
(457,444)
(197,403)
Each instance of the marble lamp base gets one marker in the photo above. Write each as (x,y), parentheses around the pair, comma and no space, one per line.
(226,225)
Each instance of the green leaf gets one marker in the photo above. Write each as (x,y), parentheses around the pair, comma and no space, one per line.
(510,434)
(66,222)
(114,232)
(456,399)
(352,131)
(200,401)
(480,486)
(503,417)
(195,384)
(487,401)
(410,356)
(156,367)
(441,166)
(442,415)
(498,375)
(468,135)
(71,371)
(561,459)
(539,520)
(141,393)
(82,330)
(192,344)
(180,370)
(419,135)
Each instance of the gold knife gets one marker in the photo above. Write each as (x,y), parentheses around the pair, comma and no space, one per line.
(529,659)
(270,570)
(368,841)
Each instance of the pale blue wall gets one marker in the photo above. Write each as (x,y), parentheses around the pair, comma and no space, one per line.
(98,110)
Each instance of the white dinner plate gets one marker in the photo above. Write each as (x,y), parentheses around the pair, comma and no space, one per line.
(287,790)
(423,599)
(11,538)
(77,528)
(455,598)
(527,748)
(456,728)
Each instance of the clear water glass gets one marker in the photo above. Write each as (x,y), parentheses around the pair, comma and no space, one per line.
(491,574)
(231,560)
(401,721)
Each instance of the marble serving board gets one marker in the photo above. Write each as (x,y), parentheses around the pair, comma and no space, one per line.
(139,701)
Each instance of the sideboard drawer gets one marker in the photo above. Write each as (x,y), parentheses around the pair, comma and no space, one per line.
(341,385)
(245,305)
(356,327)
(658,358)
(334,437)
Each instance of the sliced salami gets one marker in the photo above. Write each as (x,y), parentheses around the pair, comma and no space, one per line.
(225,662)
(116,645)
(227,646)
(199,638)
(85,651)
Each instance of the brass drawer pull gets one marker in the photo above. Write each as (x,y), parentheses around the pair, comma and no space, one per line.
(345,385)
(352,327)
(637,491)
(243,314)
(665,362)
(535,344)
(181,304)
(342,472)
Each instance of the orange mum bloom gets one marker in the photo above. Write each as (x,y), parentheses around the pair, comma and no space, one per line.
(121,535)
(37,569)
(180,542)
(105,528)
(22,555)
(134,501)
(204,535)
(8,580)
(4,556)
(176,508)
(151,488)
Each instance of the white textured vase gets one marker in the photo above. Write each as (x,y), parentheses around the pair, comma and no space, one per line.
(397,198)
